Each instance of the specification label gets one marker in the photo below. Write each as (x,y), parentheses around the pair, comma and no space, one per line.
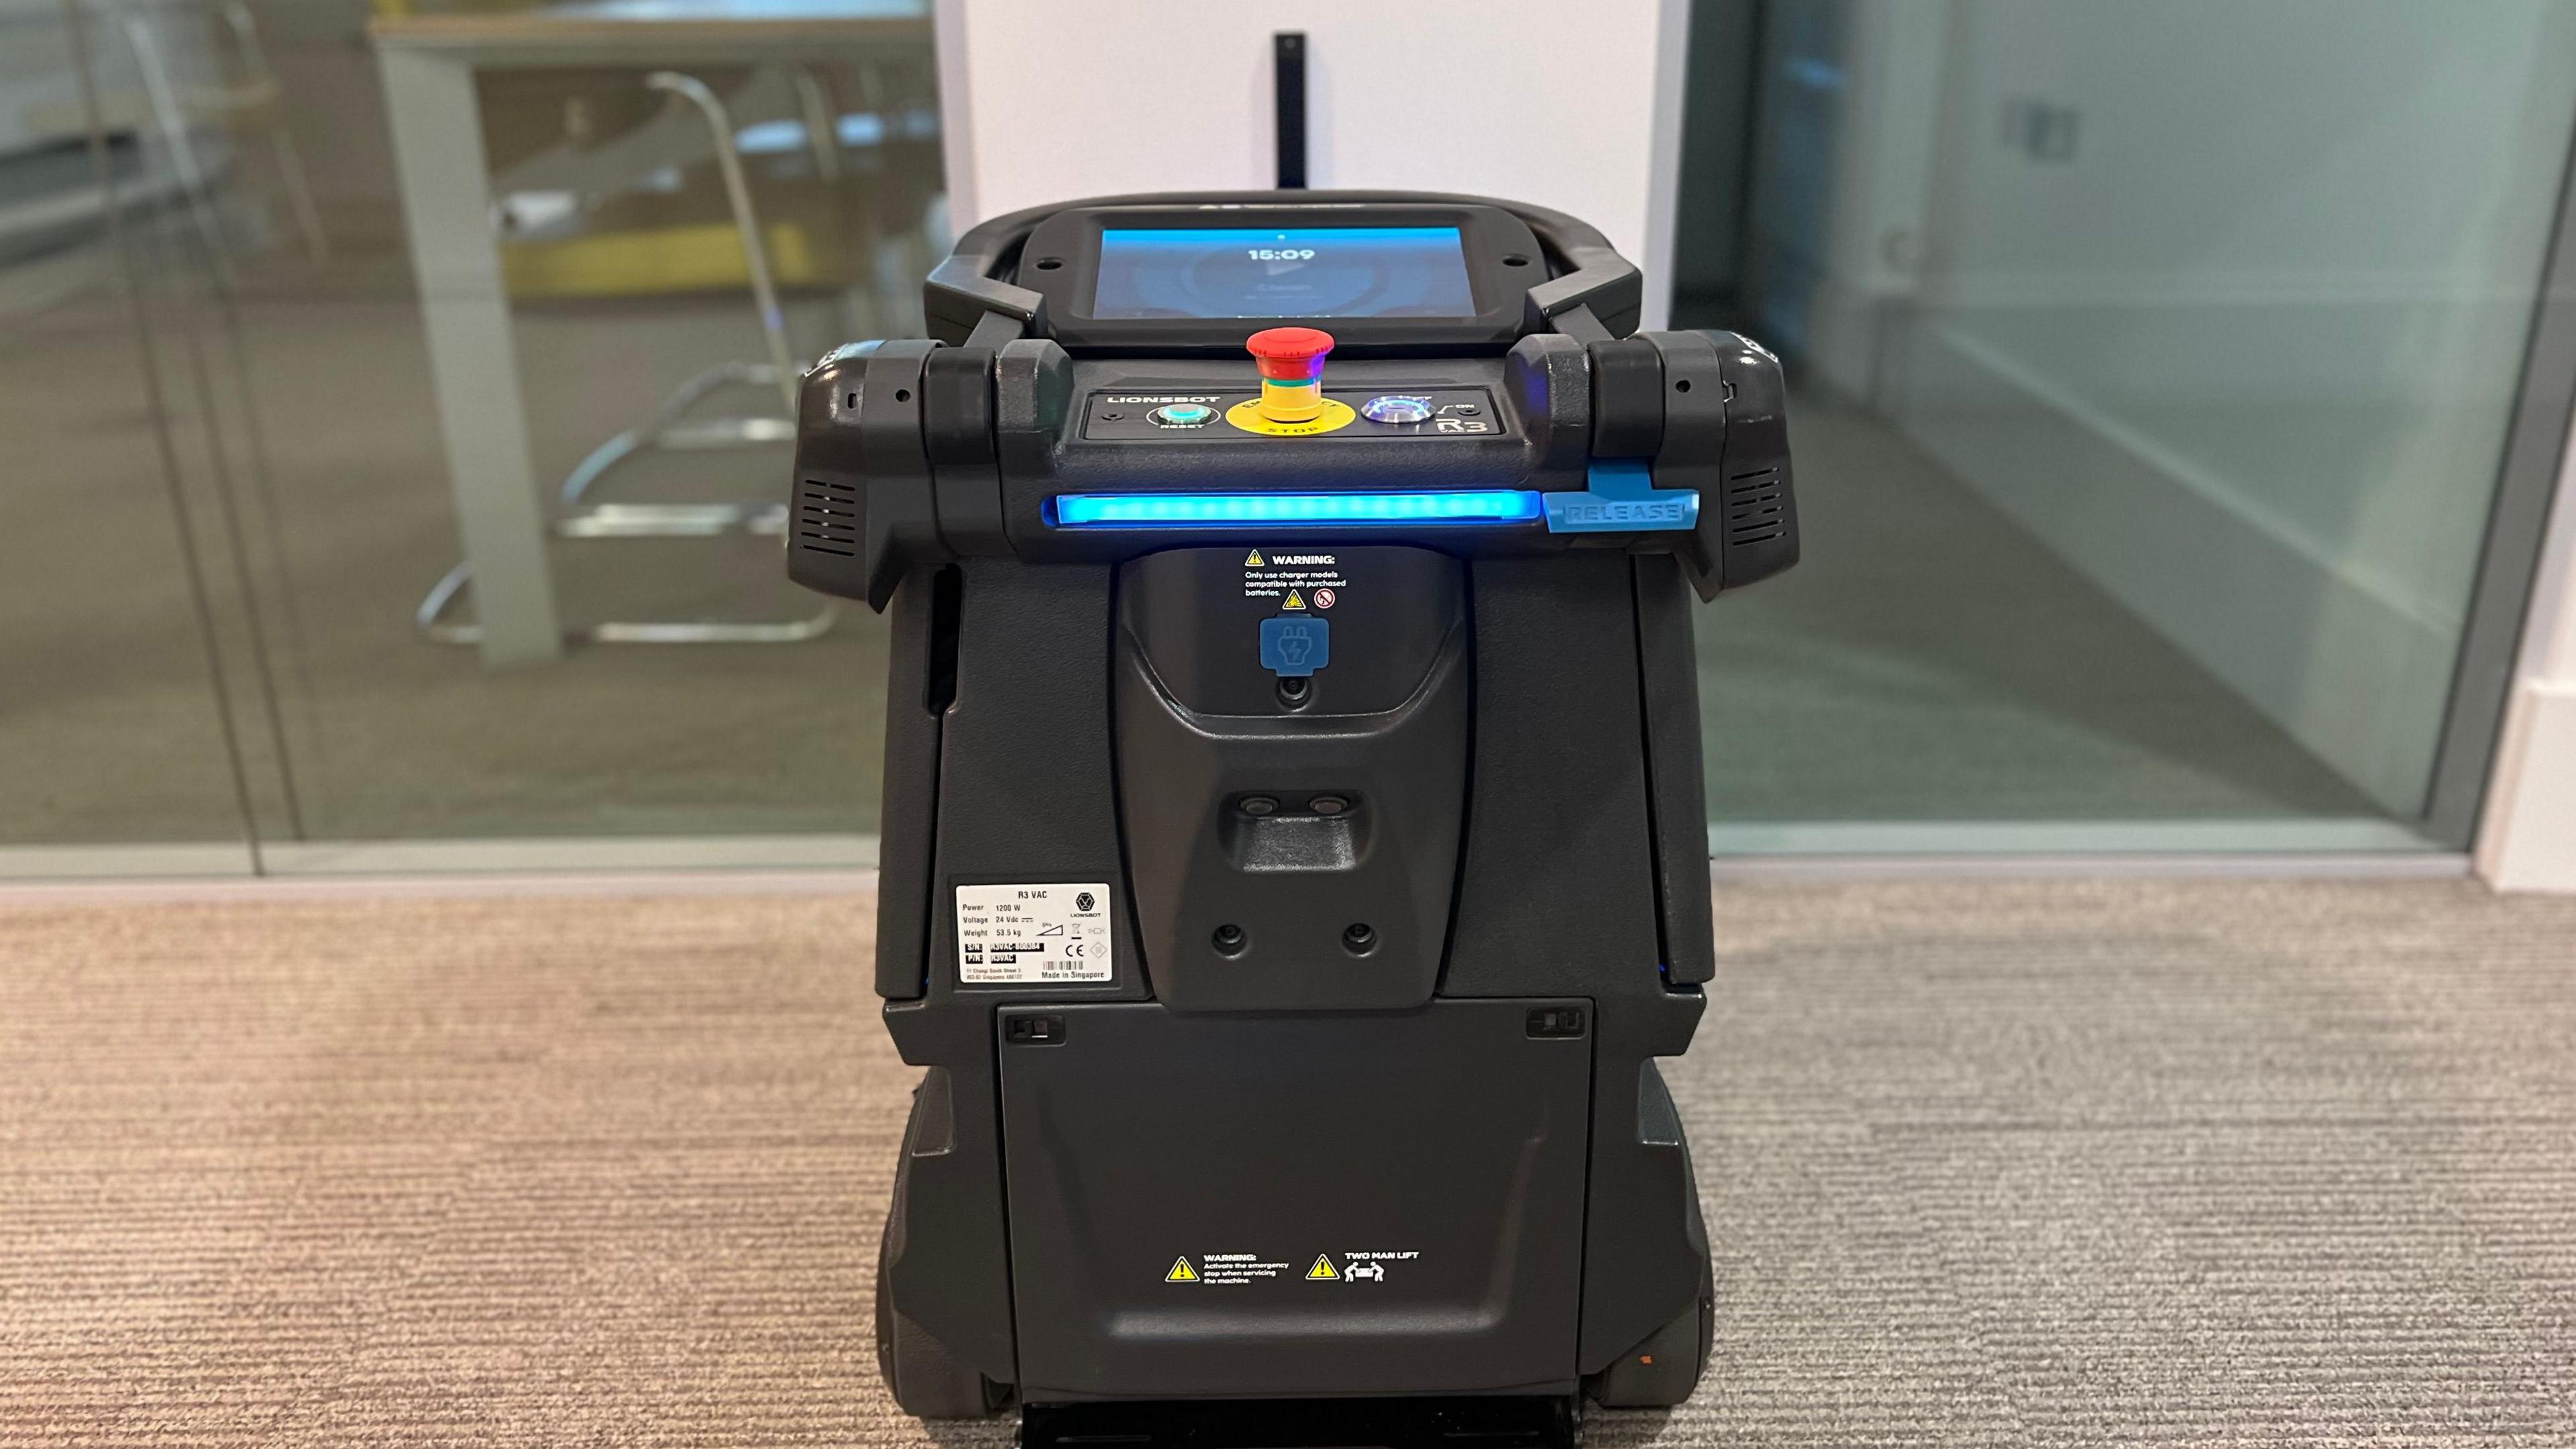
(1008,934)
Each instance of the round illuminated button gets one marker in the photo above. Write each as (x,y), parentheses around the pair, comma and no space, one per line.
(1183,415)
(1395,408)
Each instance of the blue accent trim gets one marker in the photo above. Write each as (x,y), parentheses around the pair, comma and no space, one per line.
(1622,498)
(1294,647)
(1271,510)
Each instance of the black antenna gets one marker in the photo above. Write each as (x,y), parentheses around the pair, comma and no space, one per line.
(1288,62)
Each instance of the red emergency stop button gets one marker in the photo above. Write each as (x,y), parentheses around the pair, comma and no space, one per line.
(1292,371)
(1290,353)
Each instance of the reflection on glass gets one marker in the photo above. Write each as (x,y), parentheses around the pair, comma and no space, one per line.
(662,234)
(2156,367)
(109,727)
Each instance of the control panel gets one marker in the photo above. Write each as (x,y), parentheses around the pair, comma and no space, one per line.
(1430,412)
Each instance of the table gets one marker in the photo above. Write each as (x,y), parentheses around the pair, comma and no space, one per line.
(429,64)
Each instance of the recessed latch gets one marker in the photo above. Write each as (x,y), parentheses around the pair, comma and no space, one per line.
(1556,1021)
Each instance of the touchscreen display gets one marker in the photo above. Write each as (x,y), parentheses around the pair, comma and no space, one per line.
(1325,271)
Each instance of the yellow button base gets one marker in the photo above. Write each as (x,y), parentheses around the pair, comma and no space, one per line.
(1247,416)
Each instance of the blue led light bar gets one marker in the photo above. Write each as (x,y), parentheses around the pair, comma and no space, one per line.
(1270,510)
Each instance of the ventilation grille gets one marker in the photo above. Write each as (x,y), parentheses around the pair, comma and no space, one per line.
(827,518)
(1754,512)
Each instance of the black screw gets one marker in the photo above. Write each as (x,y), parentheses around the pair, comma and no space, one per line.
(1359,938)
(1228,940)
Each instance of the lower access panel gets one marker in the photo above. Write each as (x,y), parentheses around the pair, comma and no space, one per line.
(1269,1205)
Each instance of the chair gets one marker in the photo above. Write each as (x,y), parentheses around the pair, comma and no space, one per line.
(251,102)
(669,428)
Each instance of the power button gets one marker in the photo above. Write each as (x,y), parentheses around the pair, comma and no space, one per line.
(1396,408)
(1183,415)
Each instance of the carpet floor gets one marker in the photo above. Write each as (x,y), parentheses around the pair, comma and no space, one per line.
(1992,1164)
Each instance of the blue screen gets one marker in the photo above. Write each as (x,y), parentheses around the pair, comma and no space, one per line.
(1324,271)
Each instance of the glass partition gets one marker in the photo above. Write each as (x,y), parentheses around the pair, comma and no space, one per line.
(391,403)
(113,726)
(473,327)
(2155,369)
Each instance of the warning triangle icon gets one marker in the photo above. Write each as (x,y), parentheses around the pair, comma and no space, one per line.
(1296,600)
(1252,560)
(1323,1267)
(1181,1272)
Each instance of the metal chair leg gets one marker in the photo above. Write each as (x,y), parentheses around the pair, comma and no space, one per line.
(172,123)
(755,250)
(666,430)
(823,138)
(431,619)
(281,141)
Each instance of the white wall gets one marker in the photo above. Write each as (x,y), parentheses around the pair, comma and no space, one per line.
(1572,108)
(2247,355)
(2527,839)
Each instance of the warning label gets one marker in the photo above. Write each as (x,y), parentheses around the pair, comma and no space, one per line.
(1224,1269)
(1017,933)
(1220,1270)
(1295,581)
(1369,1265)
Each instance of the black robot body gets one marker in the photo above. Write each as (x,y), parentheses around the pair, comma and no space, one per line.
(1293,842)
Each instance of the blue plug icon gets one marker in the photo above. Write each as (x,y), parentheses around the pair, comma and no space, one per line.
(1295,648)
